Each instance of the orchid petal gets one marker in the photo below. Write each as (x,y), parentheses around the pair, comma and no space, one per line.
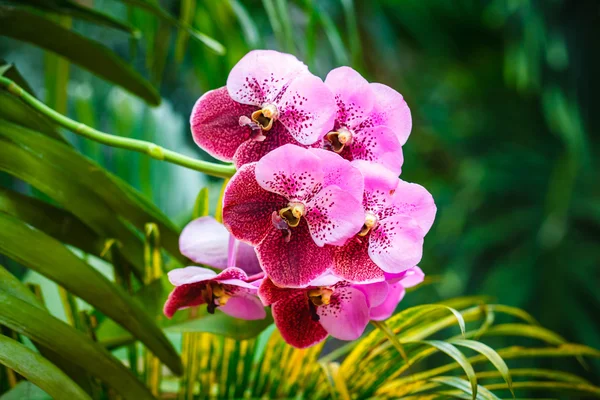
(353,94)
(261,75)
(187,275)
(340,172)
(376,293)
(295,323)
(385,310)
(205,241)
(347,314)
(380,184)
(390,110)
(352,262)
(414,200)
(244,307)
(290,171)
(333,216)
(181,297)
(307,109)
(379,145)
(413,277)
(215,124)
(396,244)
(247,207)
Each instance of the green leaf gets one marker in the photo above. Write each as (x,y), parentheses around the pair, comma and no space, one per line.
(201,206)
(75,10)
(43,328)
(251,34)
(157,11)
(28,27)
(225,325)
(461,384)
(54,261)
(564,387)
(38,370)
(57,169)
(491,355)
(536,373)
(532,331)
(406,318)
(459,357)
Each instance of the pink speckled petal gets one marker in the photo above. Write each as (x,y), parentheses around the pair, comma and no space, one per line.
(205,241)
(246,307)
(353,94)
(187,275)
(380,183)
(376,293)
(294,263)
(262,75)
(396,244)
(215,124)
(270,293)
(390,110)
(294,320)
(333,216)
(352,262)
(340,172)
(183,297)
(414,200)
(347,315)
(385,310)
(307,109)
(290,171)
(379,145)
(247,207)
(253,150)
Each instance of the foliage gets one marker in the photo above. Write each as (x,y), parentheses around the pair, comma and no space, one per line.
(67,217)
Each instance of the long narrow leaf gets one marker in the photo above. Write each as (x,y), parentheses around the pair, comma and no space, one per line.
(54,261)
(38,370)
(28,27)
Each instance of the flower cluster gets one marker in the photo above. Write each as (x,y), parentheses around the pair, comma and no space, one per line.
(316,222)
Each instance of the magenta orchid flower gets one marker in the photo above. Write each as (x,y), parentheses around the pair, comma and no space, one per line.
(397,285)
(227,291)
(372,122)
(206,241)
(291,205)
(328,306)
(397,217)
(270,99)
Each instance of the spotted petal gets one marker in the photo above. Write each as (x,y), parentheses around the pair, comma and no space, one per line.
(262,75)
(333,216)
(414,200)
(353,94)
(295,323)
(390,110)
(352,262)
(341,173)
(215,124)
(379,145)
(396,244)
(293,263)
(347,315)
(183,297)
(307,109)
(380,183)
(247,207)
(290,171)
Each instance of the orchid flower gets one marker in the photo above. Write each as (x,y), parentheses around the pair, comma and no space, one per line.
(372,121)
(227,291)
(397,216)
(397,284)
(206,241)
(270,99)
(291,205)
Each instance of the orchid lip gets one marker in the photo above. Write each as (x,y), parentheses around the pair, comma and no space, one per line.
(370,223)
(215,295)
(318,297)
(339,139)
(292,214)
(266,116)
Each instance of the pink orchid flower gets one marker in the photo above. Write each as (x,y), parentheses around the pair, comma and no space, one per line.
(227,291)
(372,122)
(270,99)
(206,241)
(397,284)
(292,204)
(398,215)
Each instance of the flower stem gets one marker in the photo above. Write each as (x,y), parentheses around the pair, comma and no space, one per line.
(148,148)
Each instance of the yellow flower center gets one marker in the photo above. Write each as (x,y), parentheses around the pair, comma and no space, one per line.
(292,214)
(215,295)
(339,139)
(370,222)
(320,296)
(265,116)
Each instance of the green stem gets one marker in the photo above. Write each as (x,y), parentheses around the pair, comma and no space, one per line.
(148,148)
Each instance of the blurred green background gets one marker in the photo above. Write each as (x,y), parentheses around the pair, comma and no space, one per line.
(505,122)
